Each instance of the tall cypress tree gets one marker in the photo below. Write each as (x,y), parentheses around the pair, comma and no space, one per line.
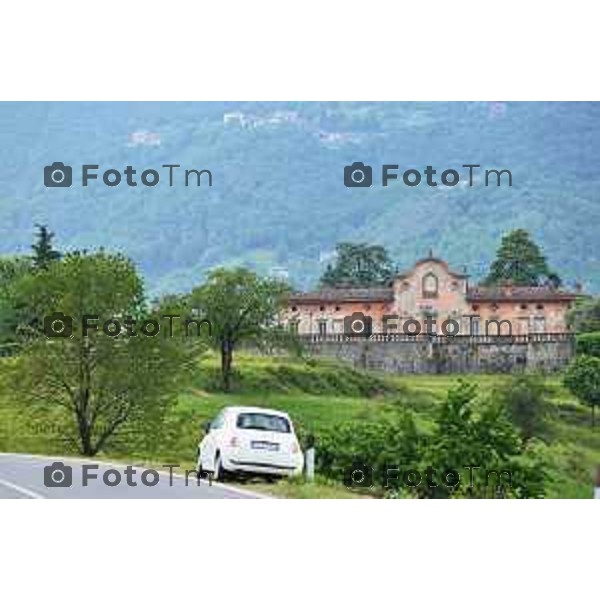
(43,252)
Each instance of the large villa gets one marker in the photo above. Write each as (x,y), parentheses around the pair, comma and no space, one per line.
(430,291)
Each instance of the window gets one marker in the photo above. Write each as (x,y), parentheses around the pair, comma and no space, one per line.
(294,308)
(294,325)
(263,422)
(218,421)
(539,324)
(322,327)
(540,307)
(474,327)
(430,286)
(321,308)
(523,324)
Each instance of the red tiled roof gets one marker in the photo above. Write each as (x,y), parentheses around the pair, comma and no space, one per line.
(374,294)
(518,294)
(474,294)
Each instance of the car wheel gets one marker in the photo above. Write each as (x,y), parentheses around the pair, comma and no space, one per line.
(199,470)
(218,471)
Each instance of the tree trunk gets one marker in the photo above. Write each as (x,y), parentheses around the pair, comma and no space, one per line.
(85,437)
(83,399)
(226,360)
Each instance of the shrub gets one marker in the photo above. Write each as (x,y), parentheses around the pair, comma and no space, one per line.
(487,440)
(524,398)
(588,343)
(374,444)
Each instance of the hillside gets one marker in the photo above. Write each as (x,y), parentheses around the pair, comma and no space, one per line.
(278,203)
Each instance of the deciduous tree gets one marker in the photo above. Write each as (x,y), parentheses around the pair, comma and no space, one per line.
(104,382)
(582,378)
(360,265)
(241,306)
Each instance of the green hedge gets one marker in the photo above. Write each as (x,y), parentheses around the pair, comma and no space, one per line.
(589,343)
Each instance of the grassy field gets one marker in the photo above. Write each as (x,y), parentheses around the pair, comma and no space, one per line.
(316,395)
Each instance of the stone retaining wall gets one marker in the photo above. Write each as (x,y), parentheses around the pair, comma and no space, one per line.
(459,354)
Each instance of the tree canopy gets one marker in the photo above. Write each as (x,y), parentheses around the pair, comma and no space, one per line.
(519,261)
(240,306)
(103,381)
(582,379)
(584,317)
(360,265)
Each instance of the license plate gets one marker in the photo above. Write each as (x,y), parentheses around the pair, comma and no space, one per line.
(265,446)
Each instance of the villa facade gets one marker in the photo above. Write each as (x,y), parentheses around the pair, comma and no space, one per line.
(431,298)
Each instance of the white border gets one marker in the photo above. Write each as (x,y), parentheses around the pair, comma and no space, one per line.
(309,50)
(363,549)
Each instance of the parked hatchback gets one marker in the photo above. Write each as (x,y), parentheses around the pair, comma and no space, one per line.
(244,439)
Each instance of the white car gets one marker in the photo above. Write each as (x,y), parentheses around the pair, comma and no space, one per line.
(246,439)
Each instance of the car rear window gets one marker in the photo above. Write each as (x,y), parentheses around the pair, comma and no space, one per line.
(263,422)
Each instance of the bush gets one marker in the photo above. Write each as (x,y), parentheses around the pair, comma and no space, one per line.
(486,443)
(524,398)
(462,438)
(374,444)
(589,344)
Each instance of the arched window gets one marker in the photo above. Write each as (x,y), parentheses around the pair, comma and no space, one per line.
(430,286)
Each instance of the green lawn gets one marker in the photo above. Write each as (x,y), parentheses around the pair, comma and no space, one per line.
(316,395)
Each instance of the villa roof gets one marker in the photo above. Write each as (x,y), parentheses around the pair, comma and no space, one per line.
(474,294)
(518,294)
(373,294)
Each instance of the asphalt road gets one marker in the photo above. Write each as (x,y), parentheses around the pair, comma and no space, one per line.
(25,476)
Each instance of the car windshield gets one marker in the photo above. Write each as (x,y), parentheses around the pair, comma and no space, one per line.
(263,422)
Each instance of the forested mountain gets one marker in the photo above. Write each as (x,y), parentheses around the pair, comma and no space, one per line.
(278,202)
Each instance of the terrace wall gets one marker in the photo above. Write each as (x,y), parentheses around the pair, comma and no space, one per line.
(448,354)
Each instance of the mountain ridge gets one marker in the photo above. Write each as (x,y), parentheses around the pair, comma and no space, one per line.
(278,203)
